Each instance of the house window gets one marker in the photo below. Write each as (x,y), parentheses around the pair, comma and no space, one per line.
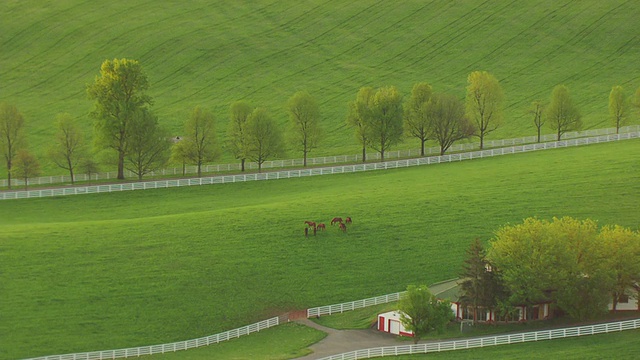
(623,299)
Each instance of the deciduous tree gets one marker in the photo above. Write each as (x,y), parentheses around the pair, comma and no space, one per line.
(200,139)
(118,92)
(621,253)
(562,113)
(304,116)
(618,107)
(237,132)
(485,100)
(149,144)
(359,115)
(385,123)
(422,312)
(416,122)
(11,135)
(179,154)
(68,148)
(264,137)
(447,121)
(26,166)
(537,110)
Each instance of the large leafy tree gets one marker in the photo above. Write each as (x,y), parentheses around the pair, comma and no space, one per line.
(358,117)
(562,114)
(304,116)
(447,121)
(149,144)
(118,94)
(485,101)
(26,166)
(416,122)
(422,312)
(237,131)
(558,260)
(11,135)
(385,123)
(68,148)
(200,139)
(537,111)
(621,253)
(618,107)
(264,138)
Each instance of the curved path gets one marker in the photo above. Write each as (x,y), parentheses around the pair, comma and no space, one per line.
(341,341)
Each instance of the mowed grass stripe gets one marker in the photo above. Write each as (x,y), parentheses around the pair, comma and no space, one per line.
(130,269)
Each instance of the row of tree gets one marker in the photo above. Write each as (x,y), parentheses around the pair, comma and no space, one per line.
(573,264)
(127,133)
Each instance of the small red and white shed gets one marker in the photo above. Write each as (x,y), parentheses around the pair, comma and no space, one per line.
(390,322)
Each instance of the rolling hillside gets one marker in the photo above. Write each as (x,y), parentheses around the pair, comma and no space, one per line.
(81,273)
(212,53)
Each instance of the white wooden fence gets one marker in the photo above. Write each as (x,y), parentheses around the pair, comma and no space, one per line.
(57,179)
(165,348)
(285,174)
(352,305)
(487,341)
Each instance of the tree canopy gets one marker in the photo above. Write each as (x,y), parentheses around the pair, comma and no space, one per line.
(237,131)
(358,117)
(304,116)
(447,121)
(618,107)
(422,312)
(200,140)
(485,101)
(562,114)
(11,135)
(263,137)
(416,122)
(149,144)
(118,94)
(385,122)
(68,149)
(537,110)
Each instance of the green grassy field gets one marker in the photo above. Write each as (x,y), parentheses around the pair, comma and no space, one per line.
(82,273)
(604,346)
(212,53)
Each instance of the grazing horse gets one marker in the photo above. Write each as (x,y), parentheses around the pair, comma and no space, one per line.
(321,227)
(347,220)
(310,223)
(336,220)
(342,227)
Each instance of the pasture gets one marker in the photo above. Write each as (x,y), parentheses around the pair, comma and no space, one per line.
(216,52)
(82,273)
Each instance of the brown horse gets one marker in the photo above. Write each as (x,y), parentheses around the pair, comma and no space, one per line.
(321,227)
(342,227)
(347,220)
(310,223)
(336,220)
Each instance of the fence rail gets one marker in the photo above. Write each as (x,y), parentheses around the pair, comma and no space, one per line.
(285,174)
(165,348)
(57,179)
(488,341)
(352,305)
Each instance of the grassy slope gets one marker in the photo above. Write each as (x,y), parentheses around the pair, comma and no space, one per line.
(605,346)
(136,268)
(213,53)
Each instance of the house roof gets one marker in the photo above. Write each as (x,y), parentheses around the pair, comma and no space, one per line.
(449,290)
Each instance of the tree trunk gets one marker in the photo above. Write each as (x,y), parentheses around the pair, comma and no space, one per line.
(538,134)
(184,168)
(614,302)
(364,153)
(481,141)
(120,165)
(199,168)
(304,161)
(242,164)
(9,175)
(422,148)
(559,134)
(26,183)
(71,174)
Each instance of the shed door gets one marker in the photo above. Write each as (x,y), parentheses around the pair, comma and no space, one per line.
(394,327)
